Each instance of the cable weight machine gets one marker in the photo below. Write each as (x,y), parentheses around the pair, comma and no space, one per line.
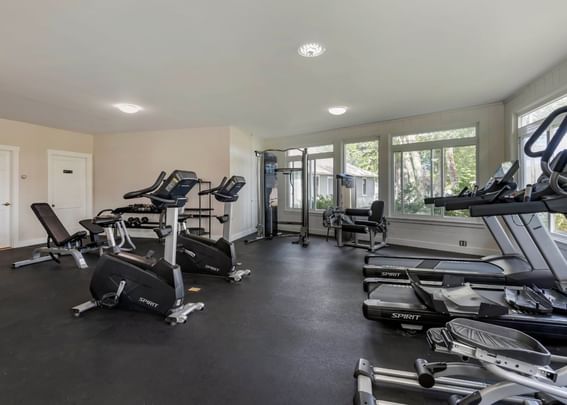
(268,171)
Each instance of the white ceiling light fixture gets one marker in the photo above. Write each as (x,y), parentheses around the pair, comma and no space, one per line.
(338,110)
(311,50)
(128,108)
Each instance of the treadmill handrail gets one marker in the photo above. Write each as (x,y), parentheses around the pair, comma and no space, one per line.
(510,208)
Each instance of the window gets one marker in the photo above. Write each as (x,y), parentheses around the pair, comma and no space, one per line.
(461,133)
(362,162)
(321,175)
(312,150)
(432,164)
(530,168)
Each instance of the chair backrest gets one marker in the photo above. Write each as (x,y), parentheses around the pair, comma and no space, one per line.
(376,211)
(50,222)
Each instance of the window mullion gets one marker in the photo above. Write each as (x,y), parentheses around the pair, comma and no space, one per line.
(402,182)
(431,209)
(442,175)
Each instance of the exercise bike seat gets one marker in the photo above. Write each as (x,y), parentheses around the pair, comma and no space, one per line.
(91,226)
(106,220)
(146,263)
(498,340)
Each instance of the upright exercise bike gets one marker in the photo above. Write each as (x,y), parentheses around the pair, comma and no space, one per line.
(196,254)
(126,280)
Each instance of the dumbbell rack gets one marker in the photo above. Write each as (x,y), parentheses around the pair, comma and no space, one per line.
(138,222)
(202,212)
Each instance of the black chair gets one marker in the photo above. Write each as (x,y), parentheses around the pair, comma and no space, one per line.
(352,225)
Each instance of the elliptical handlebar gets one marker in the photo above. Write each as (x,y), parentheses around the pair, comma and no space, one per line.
(555,180)
(144,192)
(550,150)
(528,147)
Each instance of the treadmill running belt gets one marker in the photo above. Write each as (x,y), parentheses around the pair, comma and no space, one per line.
(428,264)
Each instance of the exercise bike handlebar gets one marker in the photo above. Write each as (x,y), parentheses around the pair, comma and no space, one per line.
(165,201)
(144,192)
(214,189)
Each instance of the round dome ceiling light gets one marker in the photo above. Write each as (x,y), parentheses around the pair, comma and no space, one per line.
(339,110)
(128,108)
(311,50)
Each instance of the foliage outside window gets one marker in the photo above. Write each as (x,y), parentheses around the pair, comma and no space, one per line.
(321,169)
(362,162)
(432,164)
(530,167)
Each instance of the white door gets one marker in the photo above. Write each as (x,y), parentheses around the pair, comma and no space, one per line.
(69,187)
(5,197)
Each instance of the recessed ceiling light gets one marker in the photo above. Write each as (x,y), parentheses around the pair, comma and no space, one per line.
(311,50)
(337,110)
(128,108)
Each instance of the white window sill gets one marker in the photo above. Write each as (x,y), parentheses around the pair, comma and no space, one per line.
(442,221)
(298,211)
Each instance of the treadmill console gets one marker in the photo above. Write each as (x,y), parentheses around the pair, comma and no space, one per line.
(503,174)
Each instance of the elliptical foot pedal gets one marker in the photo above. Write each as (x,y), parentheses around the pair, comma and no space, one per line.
(529,300)
(557,299)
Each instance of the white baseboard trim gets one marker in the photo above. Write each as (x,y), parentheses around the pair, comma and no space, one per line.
(443,247)
(242,234)
(417,243)
(29,242)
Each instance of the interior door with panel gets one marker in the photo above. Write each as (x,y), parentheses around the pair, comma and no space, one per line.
(5,198)
(69,182)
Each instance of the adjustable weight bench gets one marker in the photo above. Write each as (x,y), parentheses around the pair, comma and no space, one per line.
(59,241)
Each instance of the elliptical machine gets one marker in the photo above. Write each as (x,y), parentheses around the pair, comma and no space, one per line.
(129,281)
(196,254)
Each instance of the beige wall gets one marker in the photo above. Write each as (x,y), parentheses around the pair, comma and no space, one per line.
(129,161)
(243,163)
(123,162)
(34,141)
(423,233)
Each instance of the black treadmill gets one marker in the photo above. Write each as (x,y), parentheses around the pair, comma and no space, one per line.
(537,310)
(517,270)
(485,269)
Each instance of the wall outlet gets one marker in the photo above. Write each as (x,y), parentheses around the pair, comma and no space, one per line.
(463,243)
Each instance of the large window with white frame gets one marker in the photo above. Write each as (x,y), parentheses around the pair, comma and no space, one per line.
(530,168)
(321,174)
(432,164)
(361,160)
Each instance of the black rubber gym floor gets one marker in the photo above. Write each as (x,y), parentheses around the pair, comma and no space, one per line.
(290,334)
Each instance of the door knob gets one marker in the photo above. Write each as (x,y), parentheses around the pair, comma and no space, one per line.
(7,204)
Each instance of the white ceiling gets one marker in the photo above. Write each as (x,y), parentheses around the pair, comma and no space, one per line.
(63,63)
